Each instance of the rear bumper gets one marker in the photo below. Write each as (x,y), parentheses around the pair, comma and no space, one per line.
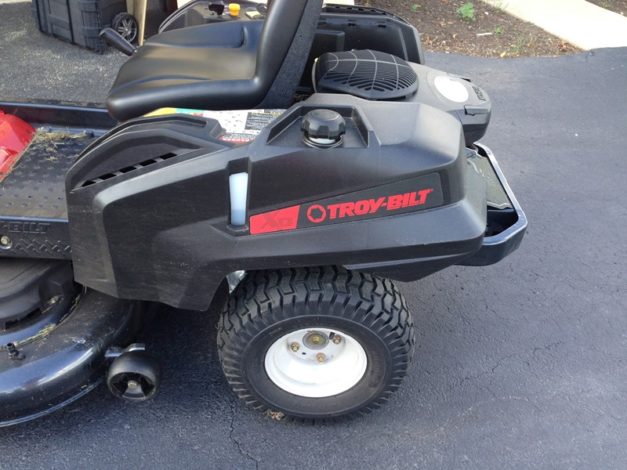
(499,245)
(504,230)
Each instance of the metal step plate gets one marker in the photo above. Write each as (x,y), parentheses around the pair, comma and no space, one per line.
(33,213)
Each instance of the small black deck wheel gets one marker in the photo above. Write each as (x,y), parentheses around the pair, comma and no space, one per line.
(134,376)
(315,343)
(126,25)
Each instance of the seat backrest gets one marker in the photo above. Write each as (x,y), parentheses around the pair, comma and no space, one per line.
(284,47)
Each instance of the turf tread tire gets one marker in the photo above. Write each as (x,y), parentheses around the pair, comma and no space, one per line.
(264,298)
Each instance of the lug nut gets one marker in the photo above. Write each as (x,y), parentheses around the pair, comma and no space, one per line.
(295,347)
(14,353)
(320,357)
(337,339)
(132,384)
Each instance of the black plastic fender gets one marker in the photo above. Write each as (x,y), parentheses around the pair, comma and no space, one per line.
(162,231)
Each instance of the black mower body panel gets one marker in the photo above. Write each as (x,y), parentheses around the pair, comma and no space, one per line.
(397,197)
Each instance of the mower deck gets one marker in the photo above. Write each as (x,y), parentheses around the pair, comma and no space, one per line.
(65,358)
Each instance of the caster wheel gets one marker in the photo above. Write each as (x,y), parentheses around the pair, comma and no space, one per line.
(126,25)
(134,376)
(315,343)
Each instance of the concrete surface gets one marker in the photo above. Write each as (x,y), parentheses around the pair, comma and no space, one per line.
(581,23)
(519,365)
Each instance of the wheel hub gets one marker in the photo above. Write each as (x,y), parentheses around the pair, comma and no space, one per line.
(126,28)
(315,340)
(316,363)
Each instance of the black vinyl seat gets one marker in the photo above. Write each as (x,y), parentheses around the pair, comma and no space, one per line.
(230,65)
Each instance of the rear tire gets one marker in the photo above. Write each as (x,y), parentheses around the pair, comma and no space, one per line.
(315,343)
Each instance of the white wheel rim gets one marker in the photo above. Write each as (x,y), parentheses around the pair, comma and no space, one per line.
(298,366)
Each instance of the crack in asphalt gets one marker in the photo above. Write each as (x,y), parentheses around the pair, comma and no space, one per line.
(243,452)
(499,362)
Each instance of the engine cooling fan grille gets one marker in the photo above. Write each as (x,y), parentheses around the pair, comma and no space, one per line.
(367,74)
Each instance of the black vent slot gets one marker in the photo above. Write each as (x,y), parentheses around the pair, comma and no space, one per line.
(127,169)
(372,75)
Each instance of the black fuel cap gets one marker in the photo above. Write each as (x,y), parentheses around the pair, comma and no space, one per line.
(323,128)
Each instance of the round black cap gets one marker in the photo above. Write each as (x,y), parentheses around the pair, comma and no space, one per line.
(324,124)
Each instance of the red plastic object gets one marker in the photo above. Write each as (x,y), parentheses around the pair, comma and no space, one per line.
(15,135)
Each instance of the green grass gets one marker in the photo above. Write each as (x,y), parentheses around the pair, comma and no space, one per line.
(467,11)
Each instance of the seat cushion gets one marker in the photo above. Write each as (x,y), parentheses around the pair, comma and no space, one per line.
(201,67)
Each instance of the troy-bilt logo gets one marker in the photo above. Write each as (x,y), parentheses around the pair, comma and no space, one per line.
(318,214)
(309,215)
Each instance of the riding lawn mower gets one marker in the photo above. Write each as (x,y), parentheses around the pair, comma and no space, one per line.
(283,172)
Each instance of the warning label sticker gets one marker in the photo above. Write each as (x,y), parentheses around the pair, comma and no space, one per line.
(240,126)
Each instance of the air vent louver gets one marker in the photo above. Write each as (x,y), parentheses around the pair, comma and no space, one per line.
(127,169)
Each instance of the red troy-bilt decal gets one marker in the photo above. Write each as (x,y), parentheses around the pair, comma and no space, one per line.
(397,198)
(15,135)
(317,213)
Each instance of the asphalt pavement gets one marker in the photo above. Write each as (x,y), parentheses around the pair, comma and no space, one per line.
(519,365)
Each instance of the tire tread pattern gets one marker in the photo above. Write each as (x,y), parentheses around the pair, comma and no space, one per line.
(259,301)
